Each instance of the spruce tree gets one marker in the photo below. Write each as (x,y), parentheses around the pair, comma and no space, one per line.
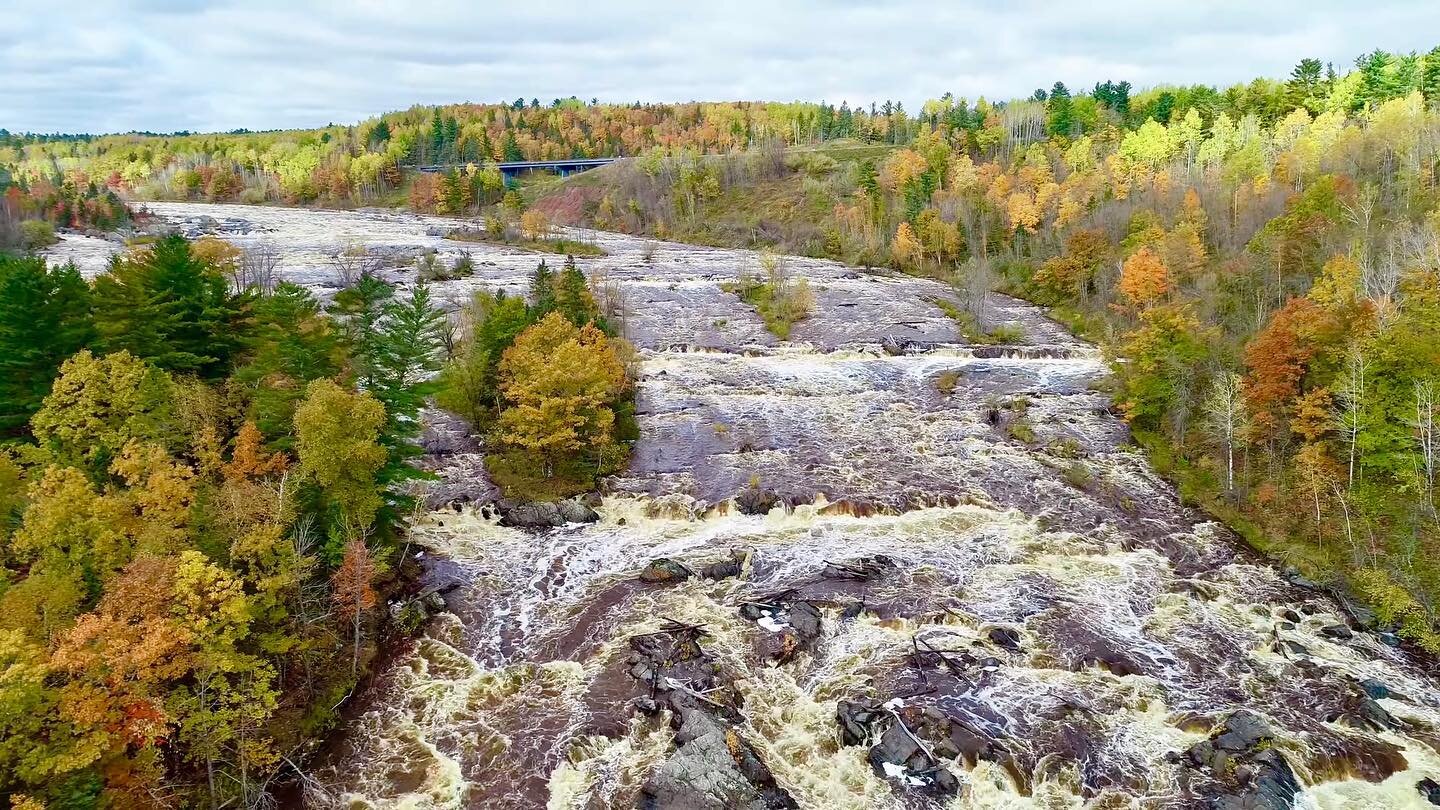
(1060,117)
(573,297)
(44,318)
(1430,77)
(292,343)
(542,292)
(170,308)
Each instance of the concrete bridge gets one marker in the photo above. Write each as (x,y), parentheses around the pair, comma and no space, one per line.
(512,168)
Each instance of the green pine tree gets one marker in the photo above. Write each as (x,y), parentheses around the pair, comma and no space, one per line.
(44,318)
(542,292)
(170,308)
(292,343)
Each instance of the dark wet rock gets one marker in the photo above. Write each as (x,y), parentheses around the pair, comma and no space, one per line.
(1294,577)
(576,512)
(893,346)
(1364,712)
(1244,772)
(1336,631)
(665,571)
(756,501)
(1266,783)
(1285,646)
(1005,638)
(897,746)
(805,618)
(434,602)
(1286,625)
(712,768)
(1375,689)
(1290,615)
(647,706)
(1360,615)
(724,569)
(923,772)
(547,514)
(672,655)
(863,569)
(795,625)
(1388,638)
(852,610)
(921,741)
(1430,789)
(859,719)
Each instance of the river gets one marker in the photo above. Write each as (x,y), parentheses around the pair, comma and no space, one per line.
(967,574)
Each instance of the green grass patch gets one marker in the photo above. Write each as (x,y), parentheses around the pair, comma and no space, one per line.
(563,247)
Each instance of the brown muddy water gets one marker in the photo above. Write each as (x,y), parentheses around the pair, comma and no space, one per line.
(942,608)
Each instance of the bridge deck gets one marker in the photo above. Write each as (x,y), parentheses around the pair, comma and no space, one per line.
(512,167)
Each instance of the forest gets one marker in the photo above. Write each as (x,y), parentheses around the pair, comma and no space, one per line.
(204,485)
(206,476)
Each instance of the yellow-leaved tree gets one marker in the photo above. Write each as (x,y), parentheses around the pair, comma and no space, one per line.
(337,435)
(560,384)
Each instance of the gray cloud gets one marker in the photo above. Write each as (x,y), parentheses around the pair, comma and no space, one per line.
(161,65)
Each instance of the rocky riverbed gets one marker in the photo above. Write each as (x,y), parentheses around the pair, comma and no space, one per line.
(868,567)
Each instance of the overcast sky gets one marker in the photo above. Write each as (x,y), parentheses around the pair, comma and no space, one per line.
(207,65)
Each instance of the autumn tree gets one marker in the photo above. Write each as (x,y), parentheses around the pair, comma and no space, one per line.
(98,404)
(352,594)
(560,383)
(1224,418)
(905,248)
(1144,279)
(337,437)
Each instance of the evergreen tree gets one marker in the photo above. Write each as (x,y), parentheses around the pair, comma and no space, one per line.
(44,318)
(511,149)
(1373,81)
(293,343)
(437,136)
(168,307)
(1430,76)
(379,134)
(573,298)
(1059,114)
(360,309)
(542,292)
(409,355)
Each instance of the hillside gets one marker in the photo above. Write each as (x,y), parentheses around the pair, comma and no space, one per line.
(1267,276)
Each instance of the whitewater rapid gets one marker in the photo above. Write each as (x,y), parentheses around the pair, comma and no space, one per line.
(1094,629)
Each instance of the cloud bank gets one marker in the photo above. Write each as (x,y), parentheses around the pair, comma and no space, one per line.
(215,65)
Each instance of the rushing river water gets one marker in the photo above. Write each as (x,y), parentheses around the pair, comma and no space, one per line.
(972,596)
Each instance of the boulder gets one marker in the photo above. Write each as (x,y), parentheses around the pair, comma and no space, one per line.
(574,511)
(545,514)
(859,720)
(756,501)
(1005,638)
(664,570)
(1336,631)
(1430,789)
(1245,772)
(713,767)
(726,569)
(1376,689)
